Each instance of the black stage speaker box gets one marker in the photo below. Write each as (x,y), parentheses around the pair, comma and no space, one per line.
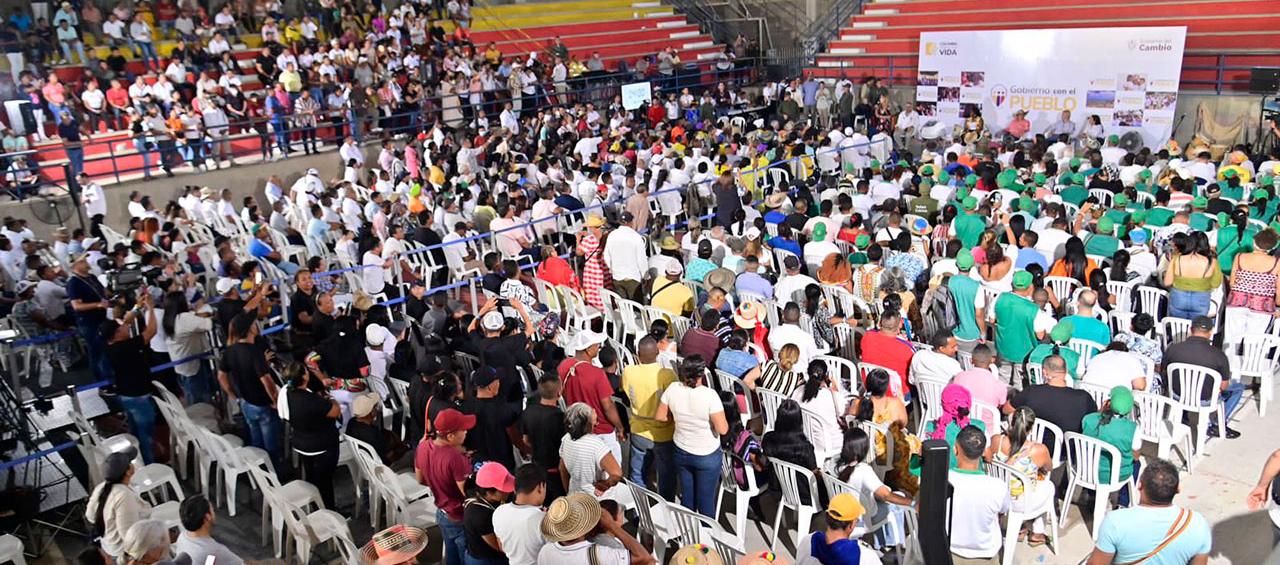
(935,494)
(1264,80)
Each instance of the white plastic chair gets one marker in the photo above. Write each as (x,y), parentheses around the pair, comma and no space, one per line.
(11,550)
(1149,300)
(651,509)
(734,385)
(1123,293)
(1173,330)
(1008,475)
(402,507)
(309,530)
(1191,380)
(1099,392)
(1052,437)
(1258,360)
(929,392)
(1084,457)
(231,462)
(769,403)
(1160,422)
(790,477)
(742,496)
(1035,373)
(844,373)
(693,528)
(895,380)
(299,493)
(987,414)
(833,486)
(1085,349)
(155,481)
(873,430)
(815,426)
(1063,288)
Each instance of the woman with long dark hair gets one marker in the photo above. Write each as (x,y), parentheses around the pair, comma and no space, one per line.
(1191,277)
(1234,238)
(788,442)
(854,467)
(1074,263)
(819,395)
(878,407)
(1015,447)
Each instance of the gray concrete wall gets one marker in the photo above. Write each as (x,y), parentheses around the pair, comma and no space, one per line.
(243,180)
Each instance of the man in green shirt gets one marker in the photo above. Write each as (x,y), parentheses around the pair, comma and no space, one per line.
(1020,324)
(968,226)
(1084,324)
(1102,242)
(1119,212)
(1117,430)
(859,257)
(1200,220)
(972,325)
(1072,167)
(1076,193)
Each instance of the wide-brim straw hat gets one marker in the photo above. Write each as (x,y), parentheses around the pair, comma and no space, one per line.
(570,517)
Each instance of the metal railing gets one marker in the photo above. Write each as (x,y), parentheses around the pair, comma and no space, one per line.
(827,25)
(333,123)
(1229,70)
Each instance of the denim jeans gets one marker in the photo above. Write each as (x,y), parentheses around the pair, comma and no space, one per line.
(98,361)
(645,454)
(140,144)
(148,54)
(1231,398)
(1187,305)
(56,110)
(264,428)
(699,480)
(455,539)
(142,422)
(197,388)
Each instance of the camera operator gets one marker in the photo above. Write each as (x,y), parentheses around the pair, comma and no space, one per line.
(133,379)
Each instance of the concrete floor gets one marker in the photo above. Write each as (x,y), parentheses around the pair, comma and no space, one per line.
(1217,488)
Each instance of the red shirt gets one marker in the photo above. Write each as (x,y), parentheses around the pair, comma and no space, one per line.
(557,272)
(118,97)
(588,384)
(887,351)
(443,467)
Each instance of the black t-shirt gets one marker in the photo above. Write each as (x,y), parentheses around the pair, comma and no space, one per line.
(545,427)
(796,221)
(1061,406)
(492,282)
(415,308)
(370,435)
(426,236)
(87,289)
(477,522)
(298,303)
(226,310)
(313,430)
(129,360)
(505,354)
(245,364)
(117,63)
(489,438)
(268,64)
(322,326)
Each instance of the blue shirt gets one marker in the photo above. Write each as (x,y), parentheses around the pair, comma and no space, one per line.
(1130,533)
(786,245)
(753,282)
(698,269)
(1029,256)
(735,362)
(774,217)
(842,552)
(258,249)
(566,202)
(1089,328)
(317,228)
(911,265)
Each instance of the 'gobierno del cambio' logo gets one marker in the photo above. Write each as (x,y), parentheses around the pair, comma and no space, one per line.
(999,94)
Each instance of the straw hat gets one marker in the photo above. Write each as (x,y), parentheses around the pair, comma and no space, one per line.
(362,301)
(394,546)
(570,517)
(748,315)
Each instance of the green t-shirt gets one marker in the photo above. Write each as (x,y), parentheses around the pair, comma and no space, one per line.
(969,228)
(1229,245)
(857,258)
(1103,245)
(924,206)
(1074,194)
(1015,326)
(1118,433)
(1160,217)
(964,291)
(1201,221)
(1046,349)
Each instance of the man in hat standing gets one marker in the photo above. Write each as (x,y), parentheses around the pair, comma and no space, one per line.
(442,465)
(1020,324)
(89,307)
(584,382)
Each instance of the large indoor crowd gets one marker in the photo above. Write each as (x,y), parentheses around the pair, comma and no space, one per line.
(577,333)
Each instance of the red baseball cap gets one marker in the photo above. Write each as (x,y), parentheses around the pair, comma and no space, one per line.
(495,475)
(450,420)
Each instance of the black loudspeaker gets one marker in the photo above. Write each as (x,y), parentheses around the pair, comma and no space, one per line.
(935,494)
(1264,80)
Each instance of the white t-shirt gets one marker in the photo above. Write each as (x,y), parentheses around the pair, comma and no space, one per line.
(977,502)
(791,333)
(579,554)
(372,276)
(200,549)
(189,339)
(1115,368)
(691,409)
(518,529)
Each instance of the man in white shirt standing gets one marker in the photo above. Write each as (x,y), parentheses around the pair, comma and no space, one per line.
(627,256)
(92,197)
(977,501)
(517,523)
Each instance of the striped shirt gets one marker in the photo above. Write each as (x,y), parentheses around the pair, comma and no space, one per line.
(774,378)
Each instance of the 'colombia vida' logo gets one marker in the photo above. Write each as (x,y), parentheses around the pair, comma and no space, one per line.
(946,48)
(999,94)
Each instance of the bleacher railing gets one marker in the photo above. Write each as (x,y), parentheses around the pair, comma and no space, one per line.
(332,124)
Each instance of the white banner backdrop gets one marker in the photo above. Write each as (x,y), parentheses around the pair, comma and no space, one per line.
(1128,77)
